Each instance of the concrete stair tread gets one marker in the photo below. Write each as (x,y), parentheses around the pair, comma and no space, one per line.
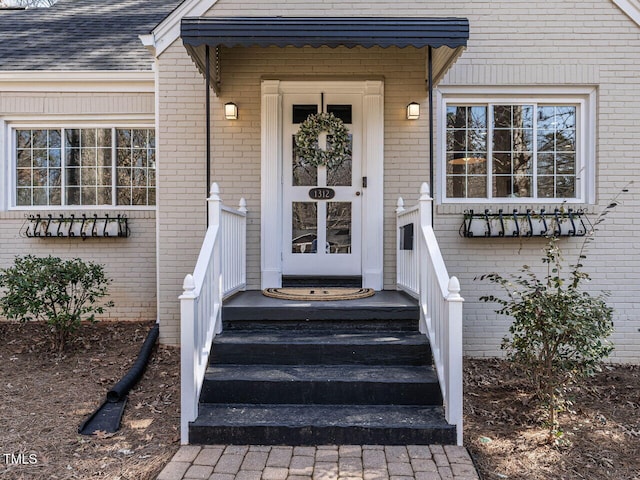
(370,416)
(322,338)
(323,373)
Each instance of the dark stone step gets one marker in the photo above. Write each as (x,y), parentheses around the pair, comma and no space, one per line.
(319,325)
(321,425)
(284,347)
(326,281)
(254,309)
(321,384)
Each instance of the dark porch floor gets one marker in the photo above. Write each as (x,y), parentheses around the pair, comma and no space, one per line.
(384,305)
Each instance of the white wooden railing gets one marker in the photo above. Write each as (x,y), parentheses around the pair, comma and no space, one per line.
(421,272)
(219,272)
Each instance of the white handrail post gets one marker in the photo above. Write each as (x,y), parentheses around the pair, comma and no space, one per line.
(215,204)
(242,207)
(188,397)
(399,263)
(425,204)
(424,219)
(454,360)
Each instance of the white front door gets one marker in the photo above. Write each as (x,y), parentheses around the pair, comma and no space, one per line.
(322,207)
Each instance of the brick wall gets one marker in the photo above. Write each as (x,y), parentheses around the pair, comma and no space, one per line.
(512,43)
(130,262)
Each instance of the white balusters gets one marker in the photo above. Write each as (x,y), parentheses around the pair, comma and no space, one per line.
(422,273)
(219,272)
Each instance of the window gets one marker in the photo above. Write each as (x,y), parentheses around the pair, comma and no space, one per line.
(526,149)
(84,167)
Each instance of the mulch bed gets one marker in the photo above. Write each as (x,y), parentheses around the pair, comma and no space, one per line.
(506,438)
(45,397)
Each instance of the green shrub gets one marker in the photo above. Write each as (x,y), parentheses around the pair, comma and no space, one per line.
(59,292)
(559,331)
(558,334)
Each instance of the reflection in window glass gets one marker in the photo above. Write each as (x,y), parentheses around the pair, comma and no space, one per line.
(532,149)
(340,176)
(466,151)
(304,221)
(81,172)
(304,174)
(339,227)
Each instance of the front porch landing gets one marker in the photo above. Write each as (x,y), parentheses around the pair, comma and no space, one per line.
(384,305)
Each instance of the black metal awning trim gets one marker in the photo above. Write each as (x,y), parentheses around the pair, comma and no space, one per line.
(322,31)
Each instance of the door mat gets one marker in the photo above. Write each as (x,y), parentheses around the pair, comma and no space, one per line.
(318,293)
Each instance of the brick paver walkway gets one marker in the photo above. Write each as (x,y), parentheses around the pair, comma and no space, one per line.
(345,462)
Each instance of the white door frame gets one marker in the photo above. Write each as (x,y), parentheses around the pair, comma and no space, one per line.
(372,92)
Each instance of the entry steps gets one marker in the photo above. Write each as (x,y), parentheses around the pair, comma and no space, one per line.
(302,381)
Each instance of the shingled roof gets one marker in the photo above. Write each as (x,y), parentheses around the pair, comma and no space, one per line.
(81,35)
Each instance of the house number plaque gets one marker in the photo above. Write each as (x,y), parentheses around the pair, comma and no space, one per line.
(322,193)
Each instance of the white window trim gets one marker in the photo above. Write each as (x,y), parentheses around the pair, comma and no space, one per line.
(583,97)
(631,8)
(8,166)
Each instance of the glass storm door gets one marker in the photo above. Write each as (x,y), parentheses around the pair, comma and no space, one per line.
(322,206)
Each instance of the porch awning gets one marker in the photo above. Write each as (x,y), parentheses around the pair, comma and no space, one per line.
(448,36)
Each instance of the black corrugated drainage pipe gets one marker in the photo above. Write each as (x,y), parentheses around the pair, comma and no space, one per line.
(107,417)
(120,389)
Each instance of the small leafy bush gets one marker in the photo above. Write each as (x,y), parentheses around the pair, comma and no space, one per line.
(559,331)
(59,292)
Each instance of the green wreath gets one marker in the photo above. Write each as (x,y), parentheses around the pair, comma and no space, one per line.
(306,140)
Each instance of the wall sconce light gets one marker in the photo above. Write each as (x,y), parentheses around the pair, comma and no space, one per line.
(230,111)
(413,111)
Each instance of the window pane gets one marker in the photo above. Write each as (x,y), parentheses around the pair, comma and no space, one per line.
(466,150)
(55,196)
(88,195)
(40,177)
(88,170)
(103,137)
(566,162)
(304,174)
(557,151)
(23,138)
(139,196)
(55,158)
(87,137)
(339,227)
(546,187)
(104,196)
(73,157)
(24,158)
(73,176)
(54,177)
(123,137)
(23,196)
(566,187)
(304,227)
(340,175)
(88,176)
(124,196)
(55,139)
(477,187)
(24,177)
(104,157)
(72,138)
(88,157)
(73,195)
(546,164)
(39,139)
(40,158)
(343,112)
(40,196)
(502,163)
